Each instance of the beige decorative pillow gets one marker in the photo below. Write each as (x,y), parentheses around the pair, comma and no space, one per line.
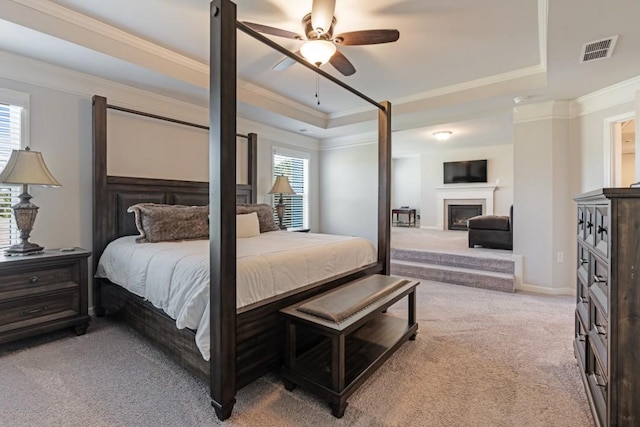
(247,225)
(265,215)
(163,223)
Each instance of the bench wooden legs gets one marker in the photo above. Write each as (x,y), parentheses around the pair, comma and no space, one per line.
(334,359)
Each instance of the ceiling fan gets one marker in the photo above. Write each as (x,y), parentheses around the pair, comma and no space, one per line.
(320,46)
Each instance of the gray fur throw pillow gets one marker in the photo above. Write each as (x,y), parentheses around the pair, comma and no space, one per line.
(265,215)
(164,223)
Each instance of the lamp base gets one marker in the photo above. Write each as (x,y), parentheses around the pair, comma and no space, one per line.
(24,248)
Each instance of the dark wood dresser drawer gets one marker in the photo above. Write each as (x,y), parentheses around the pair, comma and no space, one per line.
(580,342)
(598,332)
(598,383)
(601,237)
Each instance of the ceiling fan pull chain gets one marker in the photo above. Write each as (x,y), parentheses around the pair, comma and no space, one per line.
(318,89)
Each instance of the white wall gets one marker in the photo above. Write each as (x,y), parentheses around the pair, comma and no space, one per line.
(405,183)
(499,167)
(349,191)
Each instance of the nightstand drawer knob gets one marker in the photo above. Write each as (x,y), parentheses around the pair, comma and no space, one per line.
(33,311)
(33,280)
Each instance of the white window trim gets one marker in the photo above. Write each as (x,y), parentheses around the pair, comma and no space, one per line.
(20,99)
(282,151)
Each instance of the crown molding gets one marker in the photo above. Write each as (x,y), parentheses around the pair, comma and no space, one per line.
(365,138)
(91,24)
(542,111)
(278,135)
(58,21)
(610,96)
(543,29)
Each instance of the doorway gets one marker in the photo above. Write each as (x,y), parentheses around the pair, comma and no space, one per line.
(627,153)
(620,150)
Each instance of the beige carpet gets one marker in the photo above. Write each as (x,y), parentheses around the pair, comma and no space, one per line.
(482,358)
(449,241)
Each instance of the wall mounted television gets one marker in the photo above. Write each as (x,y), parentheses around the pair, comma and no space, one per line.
(468,171)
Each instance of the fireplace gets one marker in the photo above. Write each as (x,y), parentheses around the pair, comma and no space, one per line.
(459,214)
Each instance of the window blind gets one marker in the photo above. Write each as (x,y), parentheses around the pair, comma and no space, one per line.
(10,139)
(296,168)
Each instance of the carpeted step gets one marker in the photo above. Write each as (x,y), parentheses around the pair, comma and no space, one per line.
(481,262)
(504,282)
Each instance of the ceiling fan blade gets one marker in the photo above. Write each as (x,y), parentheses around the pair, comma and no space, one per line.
(285,63)
(322,14)
(273,31)
(367,37)
(342,64)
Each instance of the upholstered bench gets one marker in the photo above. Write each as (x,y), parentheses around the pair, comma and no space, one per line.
(491,231)
(355,336)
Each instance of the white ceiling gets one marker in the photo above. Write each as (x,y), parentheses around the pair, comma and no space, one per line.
(457,65)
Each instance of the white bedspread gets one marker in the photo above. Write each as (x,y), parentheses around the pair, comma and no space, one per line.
(174,276)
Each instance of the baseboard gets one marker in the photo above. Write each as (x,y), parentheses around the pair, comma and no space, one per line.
(545,290)
(430,227)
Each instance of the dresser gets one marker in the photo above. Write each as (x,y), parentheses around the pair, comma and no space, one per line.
(42,293)
(607,319)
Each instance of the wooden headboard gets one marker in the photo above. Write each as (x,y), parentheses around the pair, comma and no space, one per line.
(112,195)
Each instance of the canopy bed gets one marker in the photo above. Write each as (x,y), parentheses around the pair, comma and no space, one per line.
(245,340)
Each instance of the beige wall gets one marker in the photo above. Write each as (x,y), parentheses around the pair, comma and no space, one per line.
(533,200)
(349,191)
(405,183)
(628,169)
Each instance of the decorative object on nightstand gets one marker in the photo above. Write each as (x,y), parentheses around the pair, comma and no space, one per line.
(26,167)
(281,186)
(43,293)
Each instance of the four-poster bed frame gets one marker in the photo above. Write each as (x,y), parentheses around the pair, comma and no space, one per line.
(245,343)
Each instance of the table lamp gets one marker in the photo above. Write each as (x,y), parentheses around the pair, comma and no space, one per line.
(26,167)
(281,186)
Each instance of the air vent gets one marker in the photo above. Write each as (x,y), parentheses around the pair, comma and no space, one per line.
(599,49)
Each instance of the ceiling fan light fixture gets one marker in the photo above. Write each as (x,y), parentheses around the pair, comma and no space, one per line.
(443,135)
(318,52)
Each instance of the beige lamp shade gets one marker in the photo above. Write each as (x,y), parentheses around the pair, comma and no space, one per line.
(27,167)
(281,186)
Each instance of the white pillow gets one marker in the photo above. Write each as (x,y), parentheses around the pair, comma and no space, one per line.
(247,225)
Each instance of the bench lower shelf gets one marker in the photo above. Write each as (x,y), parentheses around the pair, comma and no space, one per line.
(342,359)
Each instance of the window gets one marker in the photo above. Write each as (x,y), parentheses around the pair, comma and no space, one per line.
(12,135)
(294,165)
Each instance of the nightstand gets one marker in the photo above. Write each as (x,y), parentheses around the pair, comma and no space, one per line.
(298,229)
(42,293)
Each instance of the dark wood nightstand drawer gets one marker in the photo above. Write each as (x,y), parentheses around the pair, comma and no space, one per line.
(32,281)
(43,292)
(18,312)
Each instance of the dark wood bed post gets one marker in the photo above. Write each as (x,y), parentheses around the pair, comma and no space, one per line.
(384,187)
(222,196)
(253,165)
(99,130)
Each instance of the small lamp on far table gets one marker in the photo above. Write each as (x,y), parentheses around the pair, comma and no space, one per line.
(26,167)
(281,186)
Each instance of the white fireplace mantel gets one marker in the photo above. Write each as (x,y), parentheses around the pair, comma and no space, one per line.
(463,192)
